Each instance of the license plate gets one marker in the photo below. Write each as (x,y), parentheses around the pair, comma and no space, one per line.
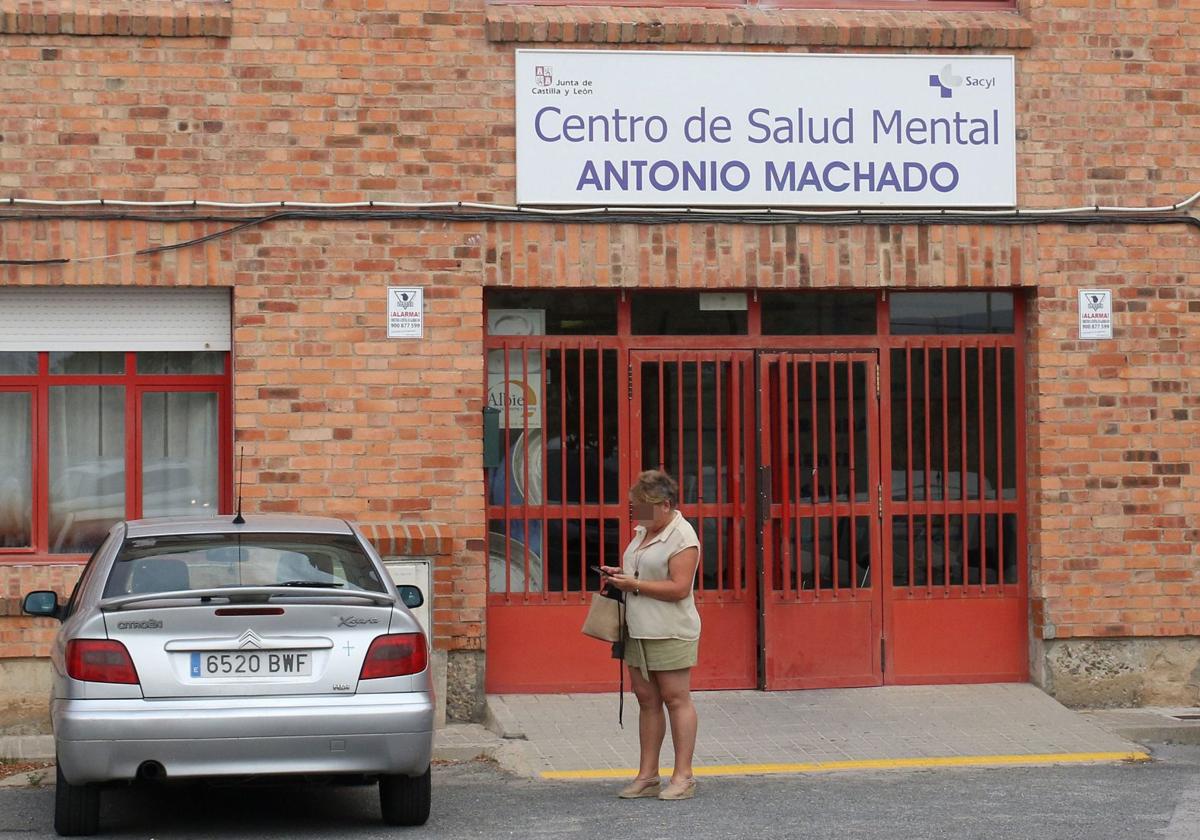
(262,663)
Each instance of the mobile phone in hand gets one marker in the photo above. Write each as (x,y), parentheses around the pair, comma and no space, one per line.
(596,569)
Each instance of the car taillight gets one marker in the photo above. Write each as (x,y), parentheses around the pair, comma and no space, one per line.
(100,660)
(396,655)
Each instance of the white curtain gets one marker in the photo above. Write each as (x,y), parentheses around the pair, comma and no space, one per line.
(179,453)
(16,470)
(87,465)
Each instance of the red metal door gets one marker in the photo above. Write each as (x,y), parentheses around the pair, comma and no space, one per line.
(956,605)
(692,417)
(819,509)
(556,506)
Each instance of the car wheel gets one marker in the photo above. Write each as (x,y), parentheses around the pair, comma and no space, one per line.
(405,800)
(76,808)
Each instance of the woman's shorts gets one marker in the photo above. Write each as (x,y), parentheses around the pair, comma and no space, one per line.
(660,654)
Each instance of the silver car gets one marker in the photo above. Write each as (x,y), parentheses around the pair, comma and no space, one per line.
(195,649)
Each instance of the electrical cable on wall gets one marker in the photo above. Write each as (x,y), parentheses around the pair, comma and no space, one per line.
(466,211)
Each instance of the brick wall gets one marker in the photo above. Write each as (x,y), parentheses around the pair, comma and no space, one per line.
(1114,434)
(346,100)
(23,636)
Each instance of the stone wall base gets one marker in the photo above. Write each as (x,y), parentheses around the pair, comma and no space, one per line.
(1101,673)
(465,699)
(24,696)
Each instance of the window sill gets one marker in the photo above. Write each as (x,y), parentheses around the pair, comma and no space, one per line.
(139,18)
(752,25)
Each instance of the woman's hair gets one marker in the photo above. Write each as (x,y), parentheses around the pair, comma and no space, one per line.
(653,487)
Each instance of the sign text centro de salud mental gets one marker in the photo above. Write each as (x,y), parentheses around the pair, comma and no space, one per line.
(736,129)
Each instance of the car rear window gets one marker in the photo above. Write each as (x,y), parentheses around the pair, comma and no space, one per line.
(210,561)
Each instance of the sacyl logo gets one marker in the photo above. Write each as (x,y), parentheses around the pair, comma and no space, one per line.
(148,624)
(945,81)
(544,74)
(355,621)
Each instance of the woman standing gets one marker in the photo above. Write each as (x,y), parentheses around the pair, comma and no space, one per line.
(656,575)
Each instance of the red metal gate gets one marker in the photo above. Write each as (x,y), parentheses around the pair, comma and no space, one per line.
(956,596)
(819,503)
(873,533)
(691,417)
(576,426)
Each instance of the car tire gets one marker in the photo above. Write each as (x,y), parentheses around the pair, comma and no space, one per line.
(76,808)
(405,800)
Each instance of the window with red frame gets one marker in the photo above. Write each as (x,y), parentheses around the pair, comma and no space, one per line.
(90,438)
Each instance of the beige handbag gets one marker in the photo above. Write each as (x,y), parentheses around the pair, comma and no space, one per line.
(603,620)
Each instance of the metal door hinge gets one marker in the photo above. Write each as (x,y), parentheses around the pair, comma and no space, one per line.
(629,381)
(879,498)
(882,653)
(876,382)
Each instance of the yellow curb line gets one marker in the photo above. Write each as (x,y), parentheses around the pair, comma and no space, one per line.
(866,764)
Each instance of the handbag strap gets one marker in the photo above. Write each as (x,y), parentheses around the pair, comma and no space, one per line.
(621,664)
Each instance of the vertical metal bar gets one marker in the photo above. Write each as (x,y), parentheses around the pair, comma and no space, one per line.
(908,396)
(945,471)
(562,460)
(602,455)
(962,465)
(735,471)
(851,474)
(662,416)
(583,562)
(791,479)
(999,411)
(928,354)
(629,418)
(721,490)
(981,473)
(833,476)
(507,466)
(525,445)
(816,473)
(679,436)
(789,556)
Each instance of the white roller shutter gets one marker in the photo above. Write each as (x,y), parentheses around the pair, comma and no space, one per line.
(92,318)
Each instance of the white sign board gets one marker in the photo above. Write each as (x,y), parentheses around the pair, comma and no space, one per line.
(405,312)
(700,128)
(1095,313)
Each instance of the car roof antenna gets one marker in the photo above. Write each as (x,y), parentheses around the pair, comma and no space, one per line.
(239,520)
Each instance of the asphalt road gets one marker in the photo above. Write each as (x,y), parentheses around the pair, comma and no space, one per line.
(1153,800)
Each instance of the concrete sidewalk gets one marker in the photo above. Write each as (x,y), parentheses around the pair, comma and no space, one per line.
(751,732)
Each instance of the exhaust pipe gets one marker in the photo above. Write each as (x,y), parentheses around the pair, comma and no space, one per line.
(151,771)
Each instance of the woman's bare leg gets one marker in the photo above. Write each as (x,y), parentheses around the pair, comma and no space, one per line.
(674,687)
(652,723)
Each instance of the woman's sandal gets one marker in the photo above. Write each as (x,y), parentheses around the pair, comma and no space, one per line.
(679,790)
(640,789)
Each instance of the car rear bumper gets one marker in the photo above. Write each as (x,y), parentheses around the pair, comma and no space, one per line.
(108,740)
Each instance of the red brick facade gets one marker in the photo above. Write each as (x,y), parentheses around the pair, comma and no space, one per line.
(362,100)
